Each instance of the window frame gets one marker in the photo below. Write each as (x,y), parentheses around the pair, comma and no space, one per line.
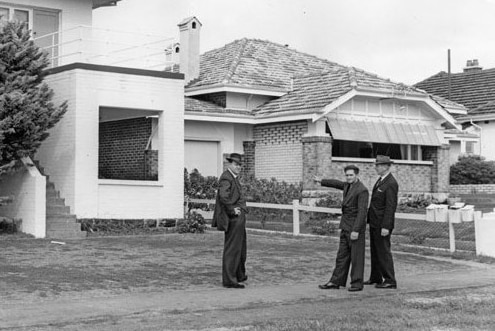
(12,10)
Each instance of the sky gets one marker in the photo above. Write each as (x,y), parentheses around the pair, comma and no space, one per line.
(403,40)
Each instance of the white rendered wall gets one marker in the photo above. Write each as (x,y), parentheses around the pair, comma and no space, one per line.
(229,136)
(76,139)
(487,139)
(28,187)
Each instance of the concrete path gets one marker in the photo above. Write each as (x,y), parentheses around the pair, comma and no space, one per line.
(26,314)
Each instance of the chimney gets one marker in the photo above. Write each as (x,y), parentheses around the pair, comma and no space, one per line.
(472,66)
(190,29)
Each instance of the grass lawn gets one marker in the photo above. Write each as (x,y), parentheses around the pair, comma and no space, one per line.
(34,271)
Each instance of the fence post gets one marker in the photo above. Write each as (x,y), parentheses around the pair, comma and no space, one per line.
(295,217)
(451,236)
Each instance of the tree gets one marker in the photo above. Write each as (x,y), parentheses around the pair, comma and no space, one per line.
(472,170)
(26,107)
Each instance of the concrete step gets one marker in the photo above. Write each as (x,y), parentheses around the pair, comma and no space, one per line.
(66,234)
(55,210)
(63,226)
(53,201)
(61,218)
(52,194)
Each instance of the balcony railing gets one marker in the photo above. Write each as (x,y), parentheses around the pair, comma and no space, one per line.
(109,47)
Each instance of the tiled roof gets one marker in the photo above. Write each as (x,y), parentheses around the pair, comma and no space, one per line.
(311,83)
(315,91)
(257,63)
(474,89)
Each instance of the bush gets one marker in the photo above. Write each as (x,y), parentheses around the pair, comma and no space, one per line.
(197,186)
(111,227)
(415,203)
(319,223)
(472,170)
(193,223)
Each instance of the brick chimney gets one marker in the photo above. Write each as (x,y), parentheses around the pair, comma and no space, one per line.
(190,29)
(472,66)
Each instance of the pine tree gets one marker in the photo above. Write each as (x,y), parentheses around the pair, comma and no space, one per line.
(26,107)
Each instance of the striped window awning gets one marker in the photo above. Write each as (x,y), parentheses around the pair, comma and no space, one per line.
(403,132)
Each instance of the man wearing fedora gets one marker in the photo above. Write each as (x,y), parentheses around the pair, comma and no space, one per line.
(230,216)
(381,219)
(352,233)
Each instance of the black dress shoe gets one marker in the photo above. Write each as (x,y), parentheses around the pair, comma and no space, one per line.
(354,289)
(243,279)
(370,282)
(386,285)
(329,286)
(234,286)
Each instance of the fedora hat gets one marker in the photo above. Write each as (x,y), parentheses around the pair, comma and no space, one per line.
(234,157)
(382,159)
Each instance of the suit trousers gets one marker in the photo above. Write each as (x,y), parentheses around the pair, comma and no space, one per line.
(350,254)
(382,263)
(235,251)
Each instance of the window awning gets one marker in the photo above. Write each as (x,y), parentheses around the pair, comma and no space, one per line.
(404,133)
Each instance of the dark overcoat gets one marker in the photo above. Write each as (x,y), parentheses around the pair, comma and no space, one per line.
(229,196)
(354,204)
(383,204)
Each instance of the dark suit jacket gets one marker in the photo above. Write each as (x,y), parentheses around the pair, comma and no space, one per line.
(354,204)
(229,196)
(381,213)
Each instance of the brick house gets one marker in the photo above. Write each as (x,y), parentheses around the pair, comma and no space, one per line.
(118,151)
(293,115)
(475,89)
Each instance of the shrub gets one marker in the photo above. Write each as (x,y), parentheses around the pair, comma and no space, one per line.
(472,170)
(415,203)
(319,223)
(193,223)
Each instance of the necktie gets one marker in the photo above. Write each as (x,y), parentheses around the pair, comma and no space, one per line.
(377,182)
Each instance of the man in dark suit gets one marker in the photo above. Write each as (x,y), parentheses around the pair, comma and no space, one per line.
(381,218)
(230,216)
(352,234)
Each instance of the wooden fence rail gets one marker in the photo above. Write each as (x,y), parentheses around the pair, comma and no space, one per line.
(296,208)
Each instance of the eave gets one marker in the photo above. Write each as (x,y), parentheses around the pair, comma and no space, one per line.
(104,3)
(216,88)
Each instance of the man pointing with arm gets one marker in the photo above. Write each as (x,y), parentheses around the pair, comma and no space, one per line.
(352,235)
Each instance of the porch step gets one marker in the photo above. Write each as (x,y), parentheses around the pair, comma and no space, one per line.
(66,234)
(52,210)
(60,223)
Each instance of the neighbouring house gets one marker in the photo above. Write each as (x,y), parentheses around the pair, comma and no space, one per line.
(292,115)
(118,152)
(475,89)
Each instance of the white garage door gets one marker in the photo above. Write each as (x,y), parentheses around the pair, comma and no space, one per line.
(202,155)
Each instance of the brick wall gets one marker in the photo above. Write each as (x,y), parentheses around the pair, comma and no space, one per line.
(279,151)
(473,189)
(219,99)
(121,148)
(249,160)
(440,175)
(412,178)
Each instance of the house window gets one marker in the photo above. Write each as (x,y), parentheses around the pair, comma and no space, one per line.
(128,145)
(368,150)
(8,13)
(470,147)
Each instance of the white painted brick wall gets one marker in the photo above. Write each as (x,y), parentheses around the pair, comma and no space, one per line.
(28,187)
(78,180)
